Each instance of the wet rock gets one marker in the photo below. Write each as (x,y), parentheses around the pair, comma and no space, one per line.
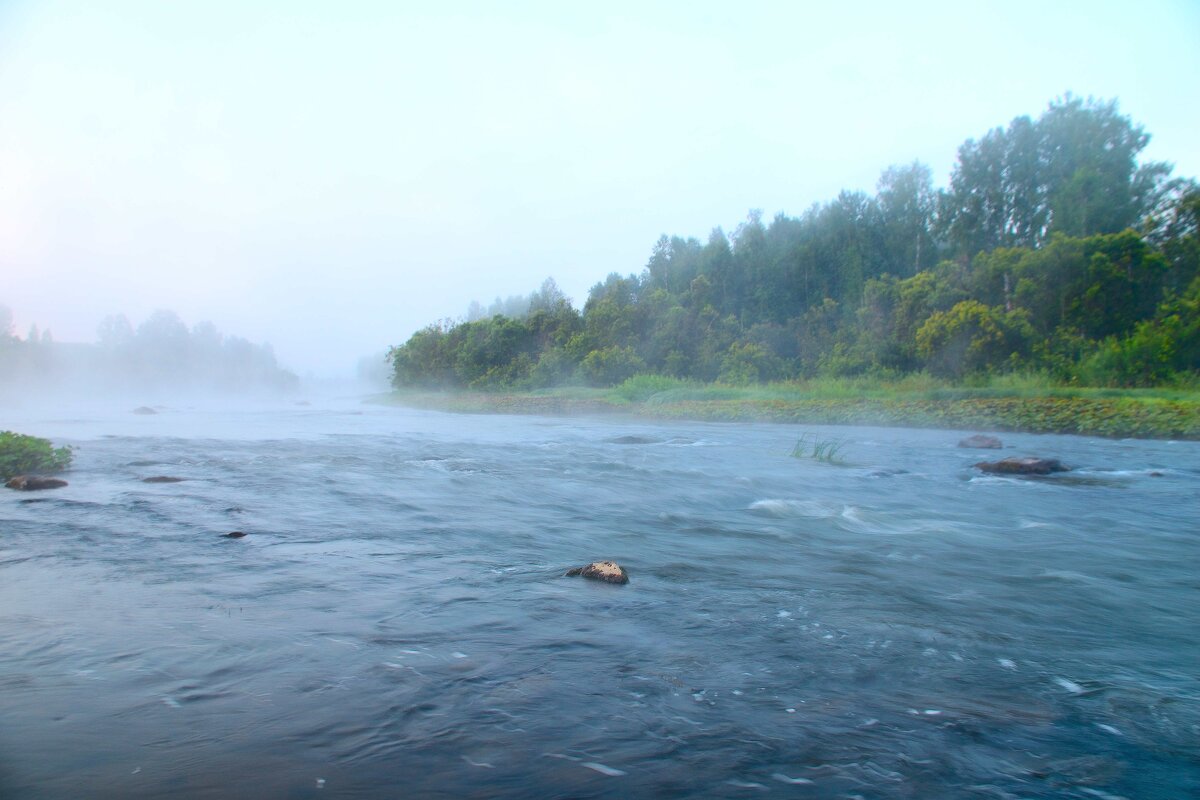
(981,442)
(162,479)
(886,472)
(234,535)
(607,571)
(1023,466)
(144,410)
(33,483)
(634,440)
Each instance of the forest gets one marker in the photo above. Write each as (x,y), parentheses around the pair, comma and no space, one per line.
(161,354)
(1054,250)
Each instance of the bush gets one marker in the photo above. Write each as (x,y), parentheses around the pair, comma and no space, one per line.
(746,363)
(554,366)
(611,365)
(20,454)
(972,337)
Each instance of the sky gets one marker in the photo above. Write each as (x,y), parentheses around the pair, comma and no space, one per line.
(331,177)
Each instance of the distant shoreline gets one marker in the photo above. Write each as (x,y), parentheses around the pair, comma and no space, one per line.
(1126,415)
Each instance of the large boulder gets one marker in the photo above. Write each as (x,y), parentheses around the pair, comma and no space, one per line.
(607,571)
(32,483)
(981,442)
(1023,466)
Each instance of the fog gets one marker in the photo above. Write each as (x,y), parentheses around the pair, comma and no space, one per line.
(328,180)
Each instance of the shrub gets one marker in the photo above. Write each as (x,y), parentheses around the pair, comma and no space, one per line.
(972,337)
(554,366)
(748,362)
(20,454)
(611,365)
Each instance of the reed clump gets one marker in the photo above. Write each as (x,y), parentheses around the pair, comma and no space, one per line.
(812,446)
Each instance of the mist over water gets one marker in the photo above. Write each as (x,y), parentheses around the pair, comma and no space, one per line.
(396,622)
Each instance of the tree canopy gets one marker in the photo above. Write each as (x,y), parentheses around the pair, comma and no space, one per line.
(1053,248)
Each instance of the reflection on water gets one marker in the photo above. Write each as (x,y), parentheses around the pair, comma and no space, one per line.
(396,623)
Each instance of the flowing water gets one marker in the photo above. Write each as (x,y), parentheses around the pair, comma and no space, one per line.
(396,622)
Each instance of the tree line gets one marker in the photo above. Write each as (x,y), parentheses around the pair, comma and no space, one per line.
(1053,248)
(162,352)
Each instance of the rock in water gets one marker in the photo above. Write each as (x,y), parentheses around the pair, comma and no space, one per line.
(233,535)
(144,410)
(31,483)
(161,479)
(1023,466)
(607,571)
(981,442)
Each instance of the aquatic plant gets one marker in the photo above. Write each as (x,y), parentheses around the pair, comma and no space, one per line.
(20,454)
(811,446)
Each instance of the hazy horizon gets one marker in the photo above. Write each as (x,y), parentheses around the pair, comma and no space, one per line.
(331,181)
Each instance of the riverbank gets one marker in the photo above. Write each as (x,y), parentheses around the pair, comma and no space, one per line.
(1111,413)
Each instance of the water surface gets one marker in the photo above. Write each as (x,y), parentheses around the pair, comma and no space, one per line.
(396,622)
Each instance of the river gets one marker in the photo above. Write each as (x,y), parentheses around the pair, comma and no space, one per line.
(396,622)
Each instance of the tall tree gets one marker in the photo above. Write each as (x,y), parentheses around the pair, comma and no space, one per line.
(1073,171)
(907,202)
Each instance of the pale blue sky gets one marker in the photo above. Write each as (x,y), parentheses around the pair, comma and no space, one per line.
(330,177)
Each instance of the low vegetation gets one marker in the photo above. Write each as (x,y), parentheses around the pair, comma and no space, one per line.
(1006,403)
(21,454)
(809,445)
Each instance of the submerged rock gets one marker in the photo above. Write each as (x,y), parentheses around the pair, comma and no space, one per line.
(982,442)
(144,410)
(607,571)
(1023,466)
(634,440)
(162,479)
(233,535)
(32,483)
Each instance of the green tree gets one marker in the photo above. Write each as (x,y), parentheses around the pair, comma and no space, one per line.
(907,203)
(747,362)
(972,337)
(611,365)
(1074,171)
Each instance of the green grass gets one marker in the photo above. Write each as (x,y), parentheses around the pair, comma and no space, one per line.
(809,445)
(1007,403)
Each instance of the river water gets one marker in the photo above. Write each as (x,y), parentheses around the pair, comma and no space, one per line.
(396,622)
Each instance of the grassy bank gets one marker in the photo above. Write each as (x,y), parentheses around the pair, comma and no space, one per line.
(1011,405)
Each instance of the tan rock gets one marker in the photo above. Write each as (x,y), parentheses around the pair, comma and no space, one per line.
(607,571)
